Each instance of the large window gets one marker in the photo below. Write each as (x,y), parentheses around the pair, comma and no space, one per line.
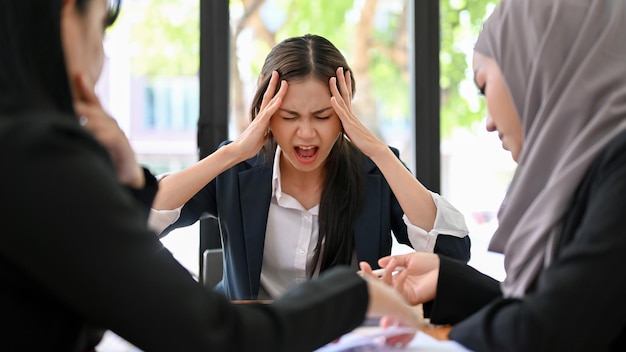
(373,35)
(378,38)
(151,84)
(475,171)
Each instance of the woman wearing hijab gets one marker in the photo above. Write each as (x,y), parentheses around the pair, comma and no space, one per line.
(554,77)
(76,256)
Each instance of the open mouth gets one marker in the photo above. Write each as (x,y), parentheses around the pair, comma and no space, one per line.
(306,153)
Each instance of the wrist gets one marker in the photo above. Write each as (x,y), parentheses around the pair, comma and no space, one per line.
(138,181)
(381,153)
(231,153)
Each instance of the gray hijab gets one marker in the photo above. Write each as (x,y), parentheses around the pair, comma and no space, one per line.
(564,62)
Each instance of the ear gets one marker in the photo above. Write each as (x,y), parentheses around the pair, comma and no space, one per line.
(67,4)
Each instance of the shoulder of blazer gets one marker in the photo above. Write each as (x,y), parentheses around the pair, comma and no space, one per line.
(257,161)
(368,164)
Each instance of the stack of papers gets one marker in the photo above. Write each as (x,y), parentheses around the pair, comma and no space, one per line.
(362,339)
(372,339)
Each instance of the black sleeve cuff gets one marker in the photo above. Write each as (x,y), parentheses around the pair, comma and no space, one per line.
(461,291)
(145,196)
(453,247)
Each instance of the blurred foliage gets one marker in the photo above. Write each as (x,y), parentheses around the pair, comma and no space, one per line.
(164,37)
(322,17)
(165,42)
(336,21)
(460,21)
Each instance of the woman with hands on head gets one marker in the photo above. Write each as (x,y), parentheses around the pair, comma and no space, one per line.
(554,77)
(306,186)
(76,256)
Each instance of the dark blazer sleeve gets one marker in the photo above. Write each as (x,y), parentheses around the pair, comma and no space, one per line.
(577,303)
(461,292)
(204,204)
(458,248)
(145,196)
(89,257)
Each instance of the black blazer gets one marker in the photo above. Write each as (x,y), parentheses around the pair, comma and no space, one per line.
(75,253)
(240,198)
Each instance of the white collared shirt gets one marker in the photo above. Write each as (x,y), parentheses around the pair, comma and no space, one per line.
(290,239)
(292,231)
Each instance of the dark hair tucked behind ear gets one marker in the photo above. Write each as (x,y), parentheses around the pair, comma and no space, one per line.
(33,74)
(112,5)
(32,64)
(312,56)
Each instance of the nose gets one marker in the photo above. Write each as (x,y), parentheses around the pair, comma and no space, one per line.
(489,124)
(306,129)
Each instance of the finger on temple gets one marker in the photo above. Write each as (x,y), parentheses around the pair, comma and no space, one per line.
(343,88)
(271,88)
(348,74)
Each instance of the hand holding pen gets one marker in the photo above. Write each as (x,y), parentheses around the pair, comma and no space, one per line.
(414,275)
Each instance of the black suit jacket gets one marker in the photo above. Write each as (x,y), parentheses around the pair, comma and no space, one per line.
(578,303)
(75,253)
(240,198)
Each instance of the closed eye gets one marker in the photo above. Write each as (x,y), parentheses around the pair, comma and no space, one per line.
(322,117)
(481,90)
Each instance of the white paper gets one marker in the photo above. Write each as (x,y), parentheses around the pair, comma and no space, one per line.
(372,339)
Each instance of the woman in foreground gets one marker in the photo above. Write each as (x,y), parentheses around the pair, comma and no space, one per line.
(554,77)
(76,256)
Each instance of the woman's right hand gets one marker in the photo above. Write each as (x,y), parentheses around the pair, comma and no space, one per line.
(417,275)
(256,134)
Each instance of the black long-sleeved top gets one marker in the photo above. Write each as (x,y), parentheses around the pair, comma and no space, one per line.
(75,253)
(578,303)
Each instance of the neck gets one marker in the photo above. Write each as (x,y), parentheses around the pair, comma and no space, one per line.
(296,177)
(306,187)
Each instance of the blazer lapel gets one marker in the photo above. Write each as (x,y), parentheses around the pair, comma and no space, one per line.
(368,227)
(255,186)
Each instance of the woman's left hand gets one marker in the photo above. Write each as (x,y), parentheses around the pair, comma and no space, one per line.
(341,101)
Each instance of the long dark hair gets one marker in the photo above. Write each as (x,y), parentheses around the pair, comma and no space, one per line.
(342,197)
(33,74)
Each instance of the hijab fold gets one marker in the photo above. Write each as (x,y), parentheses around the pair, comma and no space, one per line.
(564,62)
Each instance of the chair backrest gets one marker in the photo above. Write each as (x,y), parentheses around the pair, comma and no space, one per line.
(213,266)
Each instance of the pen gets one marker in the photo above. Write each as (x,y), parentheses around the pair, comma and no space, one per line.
(380,272)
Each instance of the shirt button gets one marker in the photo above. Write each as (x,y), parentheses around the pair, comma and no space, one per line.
(300,251)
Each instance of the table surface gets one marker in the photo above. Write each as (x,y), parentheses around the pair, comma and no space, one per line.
(437,331)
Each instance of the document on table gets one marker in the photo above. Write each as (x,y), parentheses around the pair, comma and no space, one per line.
(372,339)
(362,339)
